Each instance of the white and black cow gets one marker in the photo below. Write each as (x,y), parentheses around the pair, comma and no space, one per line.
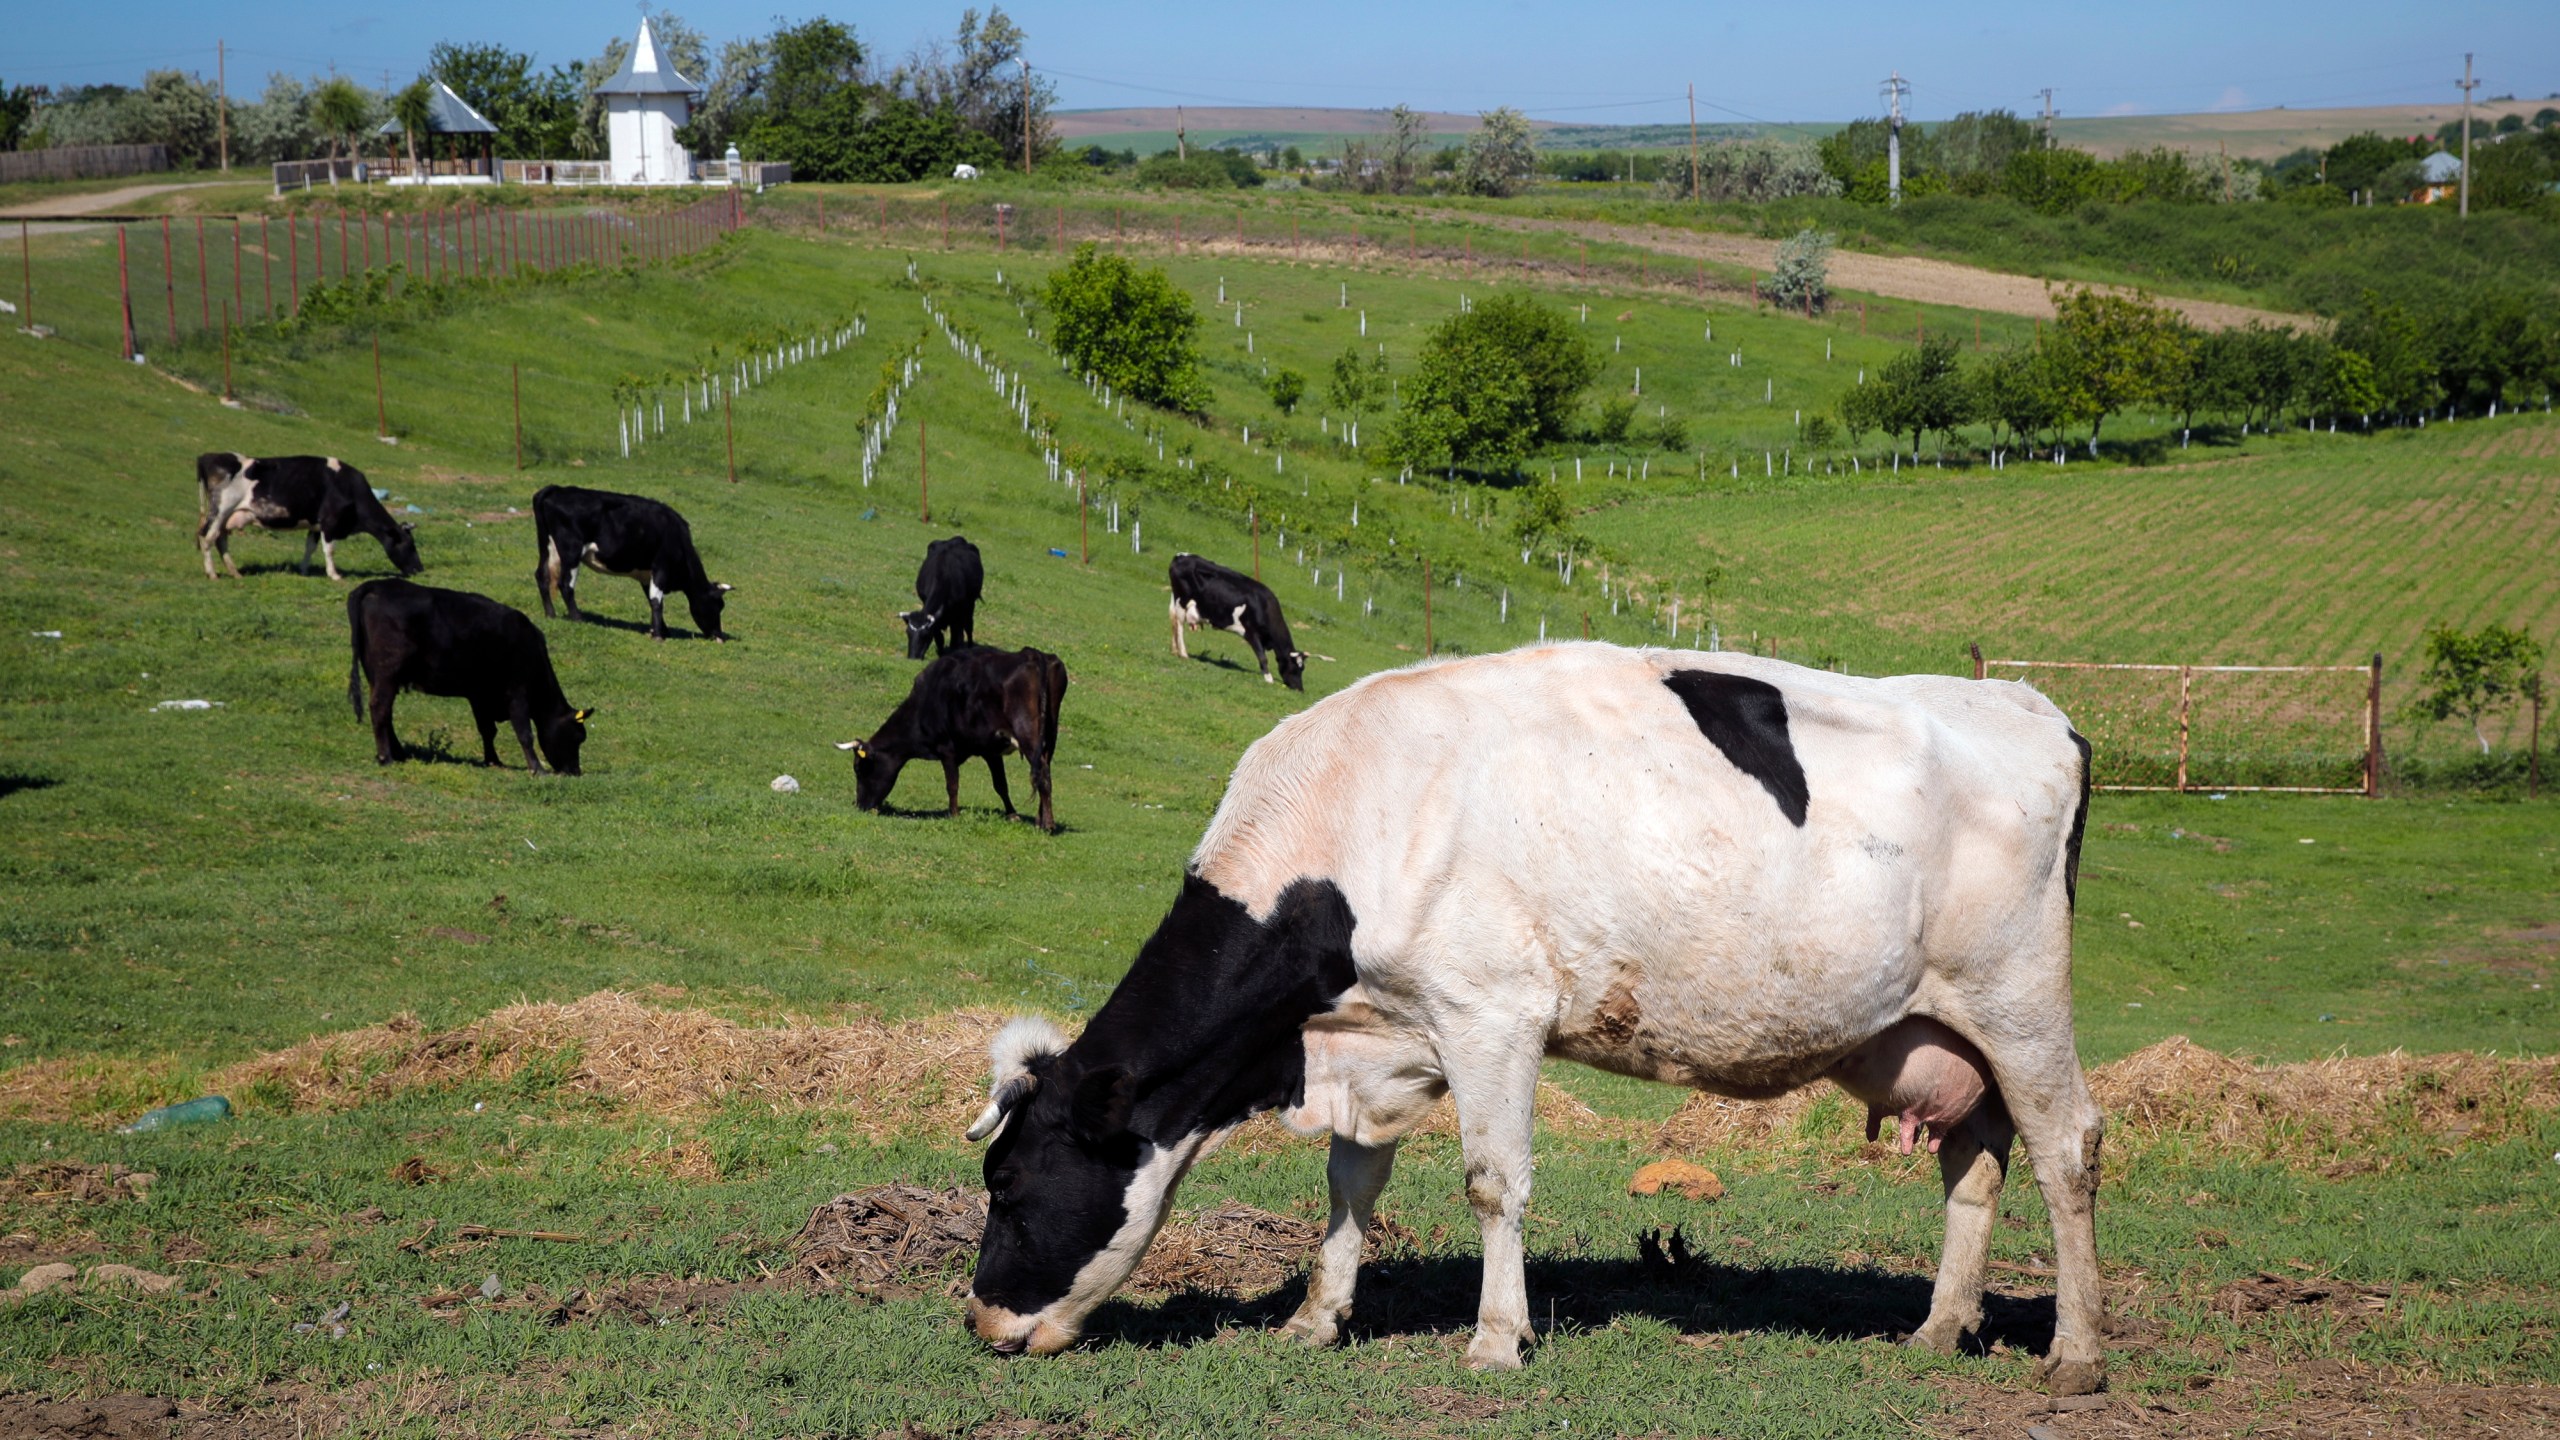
(948,585)
(973,703)
(1206,593)
(628,535)
(448,642)
(316,494)
(1707,869)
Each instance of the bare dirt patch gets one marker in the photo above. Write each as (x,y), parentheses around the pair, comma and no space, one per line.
(2318,1398)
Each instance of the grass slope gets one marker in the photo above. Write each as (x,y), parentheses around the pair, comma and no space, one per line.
(188,887)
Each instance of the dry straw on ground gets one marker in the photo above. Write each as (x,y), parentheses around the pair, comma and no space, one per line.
(2177,1090)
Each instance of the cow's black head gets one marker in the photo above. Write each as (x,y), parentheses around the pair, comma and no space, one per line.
(1293,668)
(707,603)
(402,547)
(1073,1195)
(920,627)
(560,738)
(874,773)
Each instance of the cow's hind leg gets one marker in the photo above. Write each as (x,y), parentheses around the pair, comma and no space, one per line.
(995,772)
(2048,1100)
(486,717)
(1493,1074)
(1178,647)
(310,542)
(1974,1162)
(386,746)
(951,785)
(1355,1173)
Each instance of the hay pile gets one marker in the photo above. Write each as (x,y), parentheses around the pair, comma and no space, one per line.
(2176,1089)
(1234,1248)
(892,1238)
(903,1078)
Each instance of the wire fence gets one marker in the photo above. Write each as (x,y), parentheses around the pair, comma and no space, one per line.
(2303,729)
(129,284)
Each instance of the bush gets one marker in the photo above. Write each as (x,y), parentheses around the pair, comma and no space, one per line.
(1670,432)
(1617,413)
(1207,170)
(1133,329)
(1802,276)
(1287,388)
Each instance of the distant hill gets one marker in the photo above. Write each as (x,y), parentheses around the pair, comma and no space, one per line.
(2251,134)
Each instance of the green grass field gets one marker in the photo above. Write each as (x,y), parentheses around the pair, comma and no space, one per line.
(190,888)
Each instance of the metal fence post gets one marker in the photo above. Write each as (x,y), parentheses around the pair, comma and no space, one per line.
(2373,731)
(2186,693)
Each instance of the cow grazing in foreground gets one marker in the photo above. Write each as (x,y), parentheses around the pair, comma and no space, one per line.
(973,703)
(948,585)
(1706,869)
(317,494)
(621,535)
(1209,594)
(447,642)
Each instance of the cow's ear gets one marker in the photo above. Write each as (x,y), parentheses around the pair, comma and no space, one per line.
(581,715)
(1102,1103)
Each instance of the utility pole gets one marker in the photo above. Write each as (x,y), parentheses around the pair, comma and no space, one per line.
(2047,93)
(2226,170)
(1181,147)
(222,106)
(1895,88)
(2468,85)
(1694,194)
(1026,117)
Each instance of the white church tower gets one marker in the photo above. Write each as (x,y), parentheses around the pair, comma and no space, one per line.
(644,102)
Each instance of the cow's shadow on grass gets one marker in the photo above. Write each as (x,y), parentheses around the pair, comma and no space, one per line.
(635,627)
(13,781)
(1438,1294)
(967,812)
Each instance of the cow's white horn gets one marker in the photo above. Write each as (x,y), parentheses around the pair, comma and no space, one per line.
(847,744)
(987,1121)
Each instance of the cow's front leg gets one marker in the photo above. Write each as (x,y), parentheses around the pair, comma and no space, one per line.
(1495,1082)
(1974,1162)
(328,556)
(1355,1173)
(657,609)
(951,785)
(523,722)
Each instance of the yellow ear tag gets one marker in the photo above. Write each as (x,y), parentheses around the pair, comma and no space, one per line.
(581,715)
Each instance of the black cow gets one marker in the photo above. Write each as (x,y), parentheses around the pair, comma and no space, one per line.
(948,583)
(626,535)
(316,494)
(974,702)
(1209,594)
(447,642)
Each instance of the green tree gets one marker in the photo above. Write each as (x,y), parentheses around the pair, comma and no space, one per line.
(1287,388)
(2013,392)
(339,110)
(2470,674)
(1918,391)
(1543,345)
(178,110)
(535,112)
(1543,516)
(1400,151)
(1500,156)
(17,104)
(1802,274)
(2053,182)
(1358,382)
(1617,416)
(2345,384)
(2402,354)
(413,107)
(1133,329)
(2109,351)
(1470,401)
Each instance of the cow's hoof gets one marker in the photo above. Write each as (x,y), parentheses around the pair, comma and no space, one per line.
(2074,1377)
(1494,1352)
(1317,1329)
(1936,1339)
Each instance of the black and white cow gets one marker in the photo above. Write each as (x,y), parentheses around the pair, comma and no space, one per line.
(628,535)
(448,642)
(1206,593)
(319,495)
(972,703)
(1706,869)
(948,585)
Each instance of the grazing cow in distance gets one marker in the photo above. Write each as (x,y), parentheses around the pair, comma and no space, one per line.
(1712,870)
(627,535)
(1209,594)
(974,702)
(448,642)
(319,495)
(948,585)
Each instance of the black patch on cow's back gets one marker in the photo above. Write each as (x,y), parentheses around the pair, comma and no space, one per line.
(1747,720)
(2079,825)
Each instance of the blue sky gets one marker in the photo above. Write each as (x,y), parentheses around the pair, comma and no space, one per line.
(1626,62)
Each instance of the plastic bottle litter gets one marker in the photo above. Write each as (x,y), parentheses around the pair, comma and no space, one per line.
(203,1110)
(187,705)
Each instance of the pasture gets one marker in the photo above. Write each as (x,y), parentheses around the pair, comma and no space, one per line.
(236,897)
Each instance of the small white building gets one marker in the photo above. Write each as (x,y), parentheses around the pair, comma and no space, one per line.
(644,102)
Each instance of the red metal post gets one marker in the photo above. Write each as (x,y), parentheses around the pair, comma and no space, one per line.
(169,276)
(267,263)
(2373,730)
(204,286)
(226,352)
(342,242)
(124,290)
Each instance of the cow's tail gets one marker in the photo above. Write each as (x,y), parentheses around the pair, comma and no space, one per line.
(355,658)
(1053,695)
(544,580)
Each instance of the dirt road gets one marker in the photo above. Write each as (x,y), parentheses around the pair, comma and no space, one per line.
(62,207)
(1898,277)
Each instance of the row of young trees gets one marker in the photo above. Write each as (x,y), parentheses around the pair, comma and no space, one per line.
(2105,353)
